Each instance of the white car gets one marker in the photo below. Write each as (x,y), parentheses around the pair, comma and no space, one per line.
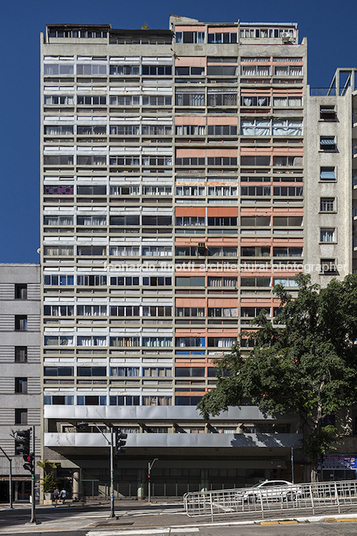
(272,490)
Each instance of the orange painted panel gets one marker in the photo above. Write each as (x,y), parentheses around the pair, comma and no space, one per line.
(222,152)
(223,302)
(190,211)
(197,153)
(222,120)
(195,61)
(190,302)
(222,211)
(190,28)
(189,120)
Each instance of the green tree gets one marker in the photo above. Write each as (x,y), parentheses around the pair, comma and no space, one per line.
(305,362)
(48,482)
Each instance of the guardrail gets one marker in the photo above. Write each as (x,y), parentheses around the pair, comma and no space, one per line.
(270,501)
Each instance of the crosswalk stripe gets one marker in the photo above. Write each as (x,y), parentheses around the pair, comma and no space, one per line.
(144,532)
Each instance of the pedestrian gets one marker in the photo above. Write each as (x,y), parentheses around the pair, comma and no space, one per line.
(63,495)
(56,495)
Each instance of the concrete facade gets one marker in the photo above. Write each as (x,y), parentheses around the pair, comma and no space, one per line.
(177,190)
(19,368)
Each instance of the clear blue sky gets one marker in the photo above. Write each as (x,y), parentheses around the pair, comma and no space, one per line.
(329,25)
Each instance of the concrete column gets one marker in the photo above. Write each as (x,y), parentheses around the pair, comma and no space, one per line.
(75,485)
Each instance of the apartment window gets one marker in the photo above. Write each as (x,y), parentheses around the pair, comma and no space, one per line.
(91,190)
(328,266)
(91,341)
(157,311)
(124,371)
(122,281)
(190,99)
(222,37)
(58,371)
(157,70)
(20,292)
(20,416)
(327,173)
(91,129)
(190,311)
(327,204)
(255,101)
(221,99)
(62,100)
(59,310)
(91,250)
(288,191)
(194,372)
(20,354)
(52,400)
(285,281)
(157,341)
(287,252)
(156,400)
(252,312)
(189,71)
(20,322)
(157,372)
(58,220)
(124,100)
(90,400)
(327,235)
(91,280)
(21,385)
(190,37)
(124,69)
(327,113)
(91,220)
(55,340)
(255,281)
(156,100)
(124,401)
(91,68)
(91,310)
(122,310)
(190,281)
(91,371)
(328,144)
(91,100)
(255,251)
(57,130)
(157,281)
(255,221)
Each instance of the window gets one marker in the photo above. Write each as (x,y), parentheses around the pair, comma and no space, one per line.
(288,191)
(91,220)
(122,281)
(52,69)
(255,221)
(222,37)
(58,371)
(287,252)
(91,250)
(91,190)
(124,371)
(59,190)
(91,68)
(91,371)
(58,160)
(190,37)
(255,281)
(289,70)
(194,372)
(91,100)
(21,385)
(58,220)
(255,160)
(91,129)
(157,281)
(124,100)
(185,342)
(190,130)
(157,70)
(327,113)
(57,130)
(20,292)
(55,340)
(328,267)
(252,312)
(53,400)
(124,69)
(255,70)
(156,400)
(53,251)
(124,310)
(187,221)
(285,281)
(190,281)
(190,311)
(20,354)
(91,310)
(91,280)
(327,204)
(124,401)
(327,235)
(287,221)
(157,372)
(90,400)
(222,130)
(189,71)
(124,341)
(255,251)
(157,220)
(157,341)
(91,341)
(255,101)
(190,99)
(156,100)
(287,101)
(222,282)
(328,144)
(157,311)
(327,173)
(20,416)
(56,99)
(58,310)
(20,322)
(223,312)
(221,99)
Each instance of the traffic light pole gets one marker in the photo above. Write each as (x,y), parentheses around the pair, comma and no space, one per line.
(150,465)
(112,510)
(33,501)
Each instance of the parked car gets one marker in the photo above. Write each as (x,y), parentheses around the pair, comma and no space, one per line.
(271,490)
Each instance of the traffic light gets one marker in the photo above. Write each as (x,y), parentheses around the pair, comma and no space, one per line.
(22,442)
(30,462)
(120,441)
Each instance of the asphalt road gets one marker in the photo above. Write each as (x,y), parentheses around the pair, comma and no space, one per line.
(158,520)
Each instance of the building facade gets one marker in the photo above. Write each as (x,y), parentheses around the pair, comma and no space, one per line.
(20,370)
(173,169)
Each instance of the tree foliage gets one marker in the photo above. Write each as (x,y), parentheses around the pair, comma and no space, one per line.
(305,362)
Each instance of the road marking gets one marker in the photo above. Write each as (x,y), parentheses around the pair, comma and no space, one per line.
(133,532)
(351,520)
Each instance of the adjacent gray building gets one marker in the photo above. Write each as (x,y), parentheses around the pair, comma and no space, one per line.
(19,369)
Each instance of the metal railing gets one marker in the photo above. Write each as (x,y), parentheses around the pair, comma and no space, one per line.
(267,502)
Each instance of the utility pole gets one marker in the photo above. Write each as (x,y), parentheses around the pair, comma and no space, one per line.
(10,477)
(150,466)
(292,465)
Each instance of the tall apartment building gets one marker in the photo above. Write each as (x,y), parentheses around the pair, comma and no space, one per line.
(19,370)
(172,179)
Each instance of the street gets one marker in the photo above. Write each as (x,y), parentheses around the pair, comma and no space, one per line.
(160,520)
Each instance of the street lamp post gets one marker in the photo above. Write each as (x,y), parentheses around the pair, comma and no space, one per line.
(150,466)
(111,446)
